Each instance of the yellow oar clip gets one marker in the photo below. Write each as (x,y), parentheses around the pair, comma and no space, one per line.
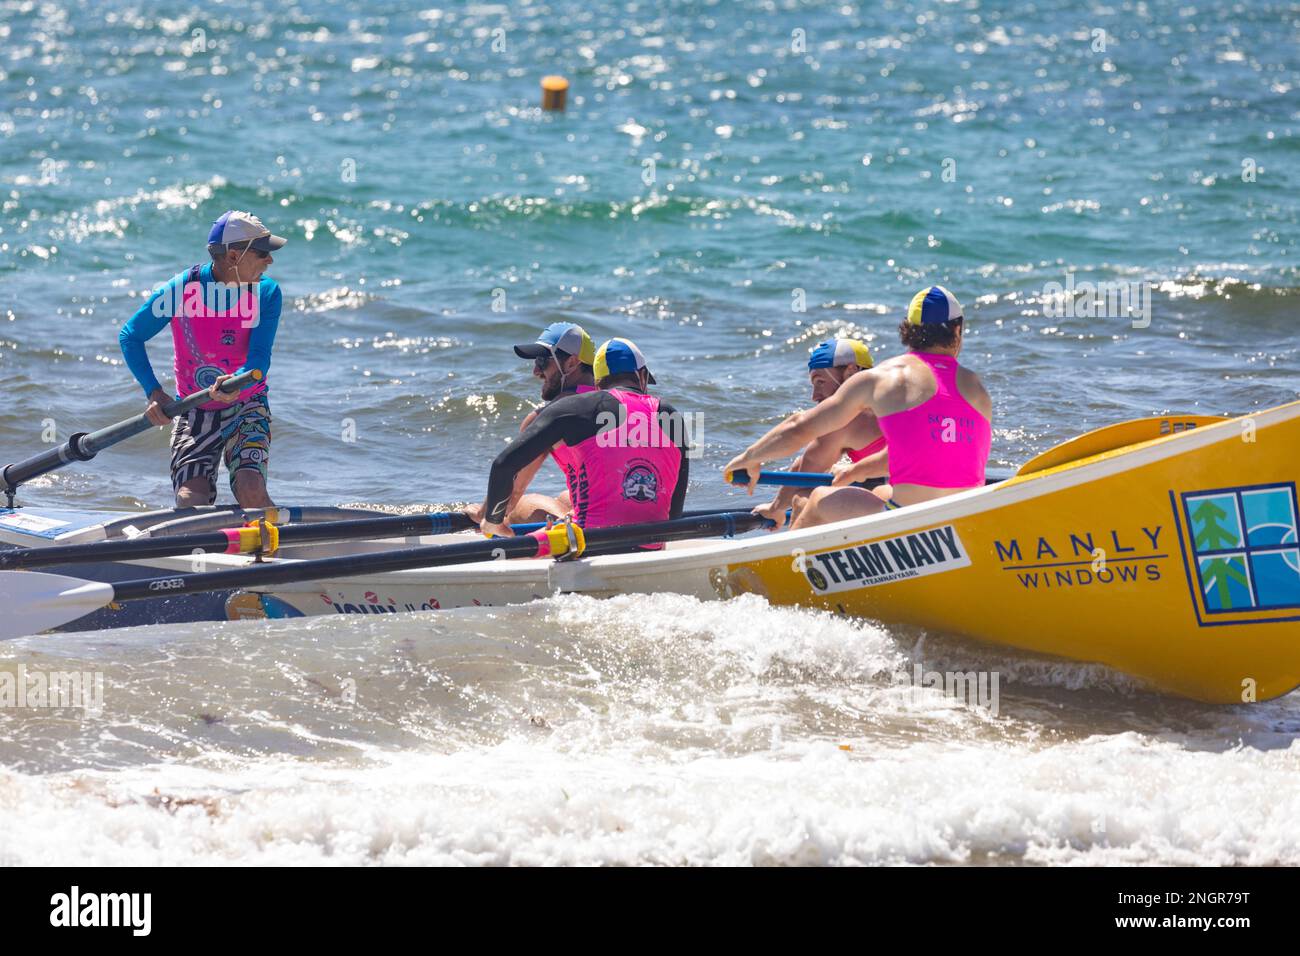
(259,537)
(565,539)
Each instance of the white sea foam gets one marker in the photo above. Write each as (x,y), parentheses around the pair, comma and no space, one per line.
(1104,800)
(636,730)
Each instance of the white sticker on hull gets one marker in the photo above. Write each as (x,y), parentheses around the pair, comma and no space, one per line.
(30,523)
(911,555)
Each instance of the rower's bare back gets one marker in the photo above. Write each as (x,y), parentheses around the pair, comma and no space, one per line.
(905,382)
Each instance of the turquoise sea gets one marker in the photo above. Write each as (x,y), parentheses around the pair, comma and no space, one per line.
(731,183)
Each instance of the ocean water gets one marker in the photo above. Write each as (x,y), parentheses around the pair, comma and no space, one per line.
(731,183)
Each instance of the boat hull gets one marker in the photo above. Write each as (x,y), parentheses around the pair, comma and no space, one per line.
(1174,560)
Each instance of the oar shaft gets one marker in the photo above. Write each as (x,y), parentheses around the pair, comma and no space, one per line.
(221,542)
(796,479)
(697,513)
(809,479)
(266,575)
(86,445)
(676,529)
(523,546)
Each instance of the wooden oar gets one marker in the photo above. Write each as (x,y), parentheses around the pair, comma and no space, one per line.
(84,446)
(34,601)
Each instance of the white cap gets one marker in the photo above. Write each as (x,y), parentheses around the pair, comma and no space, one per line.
(234,226)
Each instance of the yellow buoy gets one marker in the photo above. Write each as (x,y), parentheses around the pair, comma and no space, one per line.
(554,91)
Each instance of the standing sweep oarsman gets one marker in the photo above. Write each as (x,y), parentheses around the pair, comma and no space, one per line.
(223,315)
(626,451)
(935,415)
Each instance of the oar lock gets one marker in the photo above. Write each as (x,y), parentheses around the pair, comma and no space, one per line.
(562,540)
(259,538)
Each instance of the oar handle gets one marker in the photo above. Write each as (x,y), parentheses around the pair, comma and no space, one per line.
(84,446)
(97,441)
(795,479)
(792,479)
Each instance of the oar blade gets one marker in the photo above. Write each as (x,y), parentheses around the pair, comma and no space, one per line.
(34,601)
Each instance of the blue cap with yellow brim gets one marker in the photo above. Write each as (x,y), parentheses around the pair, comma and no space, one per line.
(834,353)
(617,356)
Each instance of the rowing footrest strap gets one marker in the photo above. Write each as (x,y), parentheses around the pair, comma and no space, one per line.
(254,536)
(562,540)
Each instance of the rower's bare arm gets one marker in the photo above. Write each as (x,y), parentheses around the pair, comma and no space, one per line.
(157,399)
(775,509)
(873,466)
(823,452)
(854,396)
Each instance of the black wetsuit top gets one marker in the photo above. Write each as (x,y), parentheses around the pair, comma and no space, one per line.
(573,420)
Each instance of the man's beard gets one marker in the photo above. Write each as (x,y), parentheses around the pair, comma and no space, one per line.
(551,390)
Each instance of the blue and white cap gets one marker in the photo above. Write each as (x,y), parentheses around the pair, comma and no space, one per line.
(834,353)
(234,226)
(933,306)
(560,336)
(616,356)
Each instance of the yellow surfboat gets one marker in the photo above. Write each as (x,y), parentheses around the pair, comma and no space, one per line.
(1175,560)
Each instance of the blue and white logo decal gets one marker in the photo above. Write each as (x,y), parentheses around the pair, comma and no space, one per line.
(1244,545)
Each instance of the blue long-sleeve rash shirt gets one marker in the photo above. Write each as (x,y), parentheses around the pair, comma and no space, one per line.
(144,325)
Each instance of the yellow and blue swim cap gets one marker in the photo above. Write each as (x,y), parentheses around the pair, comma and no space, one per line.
(933,306)
(617,356)
(836,352)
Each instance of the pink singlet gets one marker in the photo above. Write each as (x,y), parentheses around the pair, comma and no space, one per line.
(560,451)
(878,445)
(943,442)
(211,343)
(625,474)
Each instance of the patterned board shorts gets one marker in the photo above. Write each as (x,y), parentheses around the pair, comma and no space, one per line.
(240,434)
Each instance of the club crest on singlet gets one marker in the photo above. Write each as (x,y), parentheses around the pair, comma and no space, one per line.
(640,483)
(206,375)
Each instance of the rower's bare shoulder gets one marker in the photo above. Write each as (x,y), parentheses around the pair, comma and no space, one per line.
(972,389)
(890,375)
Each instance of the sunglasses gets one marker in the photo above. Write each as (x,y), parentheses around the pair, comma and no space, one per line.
(542,361)
(260,253)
